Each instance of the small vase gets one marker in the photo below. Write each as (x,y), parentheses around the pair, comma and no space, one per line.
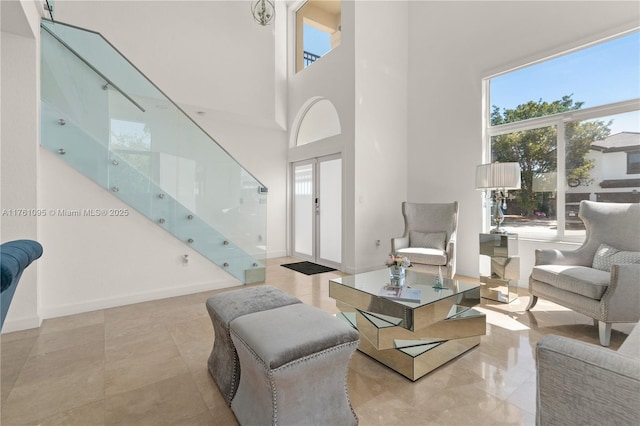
(396,272)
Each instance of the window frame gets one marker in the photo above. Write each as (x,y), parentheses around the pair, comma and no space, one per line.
(559,120)
(296,42)
(633,167)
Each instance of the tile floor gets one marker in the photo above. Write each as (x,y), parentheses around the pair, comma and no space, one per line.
(146,364)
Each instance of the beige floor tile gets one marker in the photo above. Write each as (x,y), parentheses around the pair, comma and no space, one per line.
(193,352)
(223,418)
(509,414)
(19,335)
(13,355)
(524,397)
(142,343)
(65,339)
(134,373)
(131,319)
(388,409)
(91,414)
(198,330)
(146,364)
(209,391)
(42,399)
(61,364)
(173,401)
(72,321)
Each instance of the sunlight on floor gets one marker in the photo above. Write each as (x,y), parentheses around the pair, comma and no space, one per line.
(501,320)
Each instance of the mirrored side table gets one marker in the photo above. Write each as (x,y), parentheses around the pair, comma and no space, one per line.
(502,284)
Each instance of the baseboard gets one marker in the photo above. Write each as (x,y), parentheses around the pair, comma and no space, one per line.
(21,324)
(274,254)
(94,305)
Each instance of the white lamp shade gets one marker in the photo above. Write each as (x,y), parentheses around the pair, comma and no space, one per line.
(498,176)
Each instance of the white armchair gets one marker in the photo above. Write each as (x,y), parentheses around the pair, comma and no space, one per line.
(601,279)
(429,237)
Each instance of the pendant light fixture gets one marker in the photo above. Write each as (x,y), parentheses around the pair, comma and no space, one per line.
(263,12)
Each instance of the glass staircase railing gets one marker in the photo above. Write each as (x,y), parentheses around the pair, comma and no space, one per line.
(102,116)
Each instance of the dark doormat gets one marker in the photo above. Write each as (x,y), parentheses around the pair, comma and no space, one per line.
(308,268)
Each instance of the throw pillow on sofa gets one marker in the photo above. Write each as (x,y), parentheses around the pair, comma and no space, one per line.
(433,240)
(606,256)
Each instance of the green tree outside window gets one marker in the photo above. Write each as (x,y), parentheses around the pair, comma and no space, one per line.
(536,149)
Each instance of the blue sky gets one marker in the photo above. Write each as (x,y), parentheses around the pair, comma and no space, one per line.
(316,41)
(601,74)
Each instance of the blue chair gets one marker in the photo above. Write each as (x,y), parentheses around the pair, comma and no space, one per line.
(15,256)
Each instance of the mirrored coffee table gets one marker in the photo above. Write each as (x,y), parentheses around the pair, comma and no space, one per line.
(412,334)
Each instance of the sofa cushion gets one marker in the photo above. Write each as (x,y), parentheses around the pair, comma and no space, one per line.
(606,256)
(232,304)
(582,280)
(433,240)
(282,335)
(425,256)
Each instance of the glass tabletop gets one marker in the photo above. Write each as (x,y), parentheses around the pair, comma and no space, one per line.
(374,283)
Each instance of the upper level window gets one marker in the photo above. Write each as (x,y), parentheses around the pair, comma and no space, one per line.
(633,162)
(573,124)
(317,30)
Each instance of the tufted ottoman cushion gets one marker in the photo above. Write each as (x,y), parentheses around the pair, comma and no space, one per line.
(294,367)
(225,307)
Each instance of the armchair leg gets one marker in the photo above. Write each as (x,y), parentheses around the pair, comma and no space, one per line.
(532,302)
(604,331)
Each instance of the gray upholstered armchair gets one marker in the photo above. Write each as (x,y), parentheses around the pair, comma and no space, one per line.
(429,237)
(601,279)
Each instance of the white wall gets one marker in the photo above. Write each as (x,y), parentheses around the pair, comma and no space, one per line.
(330,77)
(19,136)
(206,53)
(90,262)
(452,46)
(365,78)
(94,262)
(381,61)
(614,166)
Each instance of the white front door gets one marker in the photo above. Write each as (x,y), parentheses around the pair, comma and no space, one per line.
(317,210)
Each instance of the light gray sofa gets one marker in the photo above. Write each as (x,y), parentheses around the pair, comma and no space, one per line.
(600,281)
(583,384)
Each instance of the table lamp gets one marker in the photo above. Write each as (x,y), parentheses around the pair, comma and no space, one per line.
(498,177)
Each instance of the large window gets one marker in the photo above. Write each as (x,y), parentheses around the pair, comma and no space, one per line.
(573,124)
(318,30)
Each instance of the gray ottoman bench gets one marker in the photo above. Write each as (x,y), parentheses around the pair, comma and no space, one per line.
(225,307)
(294,363)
